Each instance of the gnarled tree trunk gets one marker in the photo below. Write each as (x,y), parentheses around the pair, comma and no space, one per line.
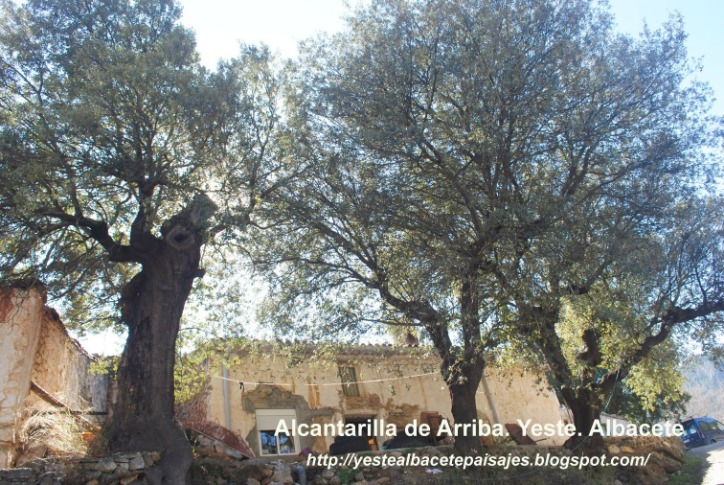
(463,385)
(142,414)
(463,367)
(586,409)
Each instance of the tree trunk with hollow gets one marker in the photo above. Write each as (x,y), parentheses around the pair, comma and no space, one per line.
(142,414)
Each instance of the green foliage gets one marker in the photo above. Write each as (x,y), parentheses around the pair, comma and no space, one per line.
(648,408)
(109,127)
(690,474)
(102,365)
(511,173)
(468,160)
(191,375)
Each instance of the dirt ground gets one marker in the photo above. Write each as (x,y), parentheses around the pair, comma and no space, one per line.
(713,456)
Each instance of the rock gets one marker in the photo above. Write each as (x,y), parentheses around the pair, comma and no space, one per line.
(618,482)
(668,464)
(360,477)
(153,455)
(15,474)
(614,450)
(252,481)
(47,479)
(371,472)
(137,463)
(122,468)
(127,480)
(148,459)
(382,480)
(674,447)
(320,480)
(328,474)
(106,465)
(92,482)
(335,480)
(431,451)
(282,474)
(650,475)
(267,472)
(394,472)
(627,449)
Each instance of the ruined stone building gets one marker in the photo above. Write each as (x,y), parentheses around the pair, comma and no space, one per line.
(394,385)
(42,369)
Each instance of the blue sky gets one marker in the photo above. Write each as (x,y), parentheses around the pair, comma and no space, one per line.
(703,23)
(221,24)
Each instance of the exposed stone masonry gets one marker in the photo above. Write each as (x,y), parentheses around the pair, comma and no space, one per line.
(118,469)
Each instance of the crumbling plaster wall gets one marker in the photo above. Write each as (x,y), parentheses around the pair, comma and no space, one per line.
(519,394)
(21,316)
(35,348)
(396,386)
(63,369)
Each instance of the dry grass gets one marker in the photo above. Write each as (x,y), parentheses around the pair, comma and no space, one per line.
(61,433)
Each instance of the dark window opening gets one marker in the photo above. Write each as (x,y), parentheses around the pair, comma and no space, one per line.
(363,425)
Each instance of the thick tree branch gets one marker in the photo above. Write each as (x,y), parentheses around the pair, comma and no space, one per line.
(98,231)
(672,317)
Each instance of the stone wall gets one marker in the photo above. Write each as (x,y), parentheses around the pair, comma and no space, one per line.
(42,369)
(21,318)
(396,384)
(118,469)
(665,456)
(63,369)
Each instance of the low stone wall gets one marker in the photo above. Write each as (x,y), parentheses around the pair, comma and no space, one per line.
(131,469)
(118,469)
(666,457)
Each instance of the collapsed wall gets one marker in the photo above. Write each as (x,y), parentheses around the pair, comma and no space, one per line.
(42,369)
(21,315)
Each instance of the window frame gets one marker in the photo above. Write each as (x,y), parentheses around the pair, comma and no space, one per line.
(350,387)
(265,419)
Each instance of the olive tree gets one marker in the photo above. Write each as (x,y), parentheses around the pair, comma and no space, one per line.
(121,158)
(448,141)
(611,308)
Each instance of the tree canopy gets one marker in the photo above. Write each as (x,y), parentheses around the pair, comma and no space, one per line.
(492,173)
(471,162)
(121,158)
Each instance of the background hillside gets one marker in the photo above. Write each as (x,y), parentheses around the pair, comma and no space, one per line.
(705,383)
